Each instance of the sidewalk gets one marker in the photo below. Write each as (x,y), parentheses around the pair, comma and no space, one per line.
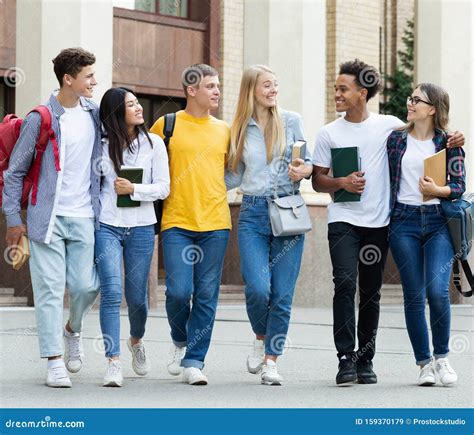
(309,367)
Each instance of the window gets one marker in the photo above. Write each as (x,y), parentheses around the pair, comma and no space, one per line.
(155,106)
(174,8)
(7,97)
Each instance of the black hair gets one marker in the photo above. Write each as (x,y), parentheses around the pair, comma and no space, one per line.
(112,115)
(366,76)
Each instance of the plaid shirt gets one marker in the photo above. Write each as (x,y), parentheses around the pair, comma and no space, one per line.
(396,147)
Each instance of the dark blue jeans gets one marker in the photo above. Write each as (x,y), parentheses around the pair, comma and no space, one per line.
(135,246)
(270,267)
(193,262)
(421,247)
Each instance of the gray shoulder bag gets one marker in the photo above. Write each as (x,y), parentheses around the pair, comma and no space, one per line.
(289,215)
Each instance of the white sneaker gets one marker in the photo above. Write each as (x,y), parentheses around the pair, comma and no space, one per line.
(427,375)
(113,374)
(57,377)
(270,374)
(443,369)
(175,355)
(255,359)
(139,362)
(73,352)
(194,376)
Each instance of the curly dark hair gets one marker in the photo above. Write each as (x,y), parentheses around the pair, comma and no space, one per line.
(366,76)
(71,61)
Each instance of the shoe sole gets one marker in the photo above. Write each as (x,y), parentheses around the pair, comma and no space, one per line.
(271,383)
(174,373)
(112,384)
(144,373)
(427,384)
(254,371)
(70,370)
(366,380)
(59,385)
(198,383)
(346,382)
(350,381)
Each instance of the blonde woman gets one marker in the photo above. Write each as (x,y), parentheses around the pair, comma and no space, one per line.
(419,236)
(260,163)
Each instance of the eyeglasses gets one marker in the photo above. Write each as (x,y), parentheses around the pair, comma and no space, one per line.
(415,100)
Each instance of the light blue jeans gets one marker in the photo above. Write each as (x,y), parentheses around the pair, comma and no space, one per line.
(135,246)
(270,267)
(67,261)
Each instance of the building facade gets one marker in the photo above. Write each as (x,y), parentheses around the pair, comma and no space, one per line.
(145,44)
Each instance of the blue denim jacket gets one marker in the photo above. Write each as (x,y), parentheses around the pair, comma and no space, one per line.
(257,177)
(40,217)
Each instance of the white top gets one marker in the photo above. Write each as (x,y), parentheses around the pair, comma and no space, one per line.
(412,171)
(77,142)
(370,136)
(156,183)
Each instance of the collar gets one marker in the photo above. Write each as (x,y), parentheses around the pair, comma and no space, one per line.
(439,138)
(58,109)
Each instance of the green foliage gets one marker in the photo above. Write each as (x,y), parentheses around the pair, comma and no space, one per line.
(400,84)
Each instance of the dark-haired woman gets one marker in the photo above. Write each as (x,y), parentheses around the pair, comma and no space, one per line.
(127,233)
(419,236)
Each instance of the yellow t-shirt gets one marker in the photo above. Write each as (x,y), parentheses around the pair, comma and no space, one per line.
(197,153)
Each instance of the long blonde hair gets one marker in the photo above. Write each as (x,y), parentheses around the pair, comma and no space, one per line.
(274,133)
(439,98)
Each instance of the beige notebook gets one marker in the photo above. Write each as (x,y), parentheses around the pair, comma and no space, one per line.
(22,253)
(435,168)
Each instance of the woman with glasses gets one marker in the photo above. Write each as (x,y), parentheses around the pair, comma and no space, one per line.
(419,237)
(262,138)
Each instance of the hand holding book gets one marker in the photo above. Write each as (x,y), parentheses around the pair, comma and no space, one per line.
(124,185)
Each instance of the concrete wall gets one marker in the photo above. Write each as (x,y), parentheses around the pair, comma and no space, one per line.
(444,51)
(232,55)
(44,28)
(352,32)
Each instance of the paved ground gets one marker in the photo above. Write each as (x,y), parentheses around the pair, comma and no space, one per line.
(308,366)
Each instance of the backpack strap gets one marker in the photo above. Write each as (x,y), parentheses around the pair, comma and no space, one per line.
(457,277)
(168,128)
(46,134)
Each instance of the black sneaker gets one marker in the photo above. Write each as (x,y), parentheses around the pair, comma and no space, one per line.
(365,374)
(347,372)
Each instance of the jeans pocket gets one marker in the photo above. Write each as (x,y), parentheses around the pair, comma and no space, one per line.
(397,213)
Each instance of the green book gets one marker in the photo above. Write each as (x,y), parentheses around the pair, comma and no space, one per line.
(134,175)
(345,161)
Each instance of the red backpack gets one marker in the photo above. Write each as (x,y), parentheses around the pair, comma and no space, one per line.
(9,133)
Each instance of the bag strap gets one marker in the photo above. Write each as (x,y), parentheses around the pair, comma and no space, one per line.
(282,158)
(457,277)
(46,134)
(168,128)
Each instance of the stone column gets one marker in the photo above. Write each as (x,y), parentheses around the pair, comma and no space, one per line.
(444,54)
(44,28)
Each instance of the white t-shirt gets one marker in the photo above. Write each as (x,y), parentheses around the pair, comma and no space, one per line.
(77,143)
(373,209)
(155,183)
(412,171)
